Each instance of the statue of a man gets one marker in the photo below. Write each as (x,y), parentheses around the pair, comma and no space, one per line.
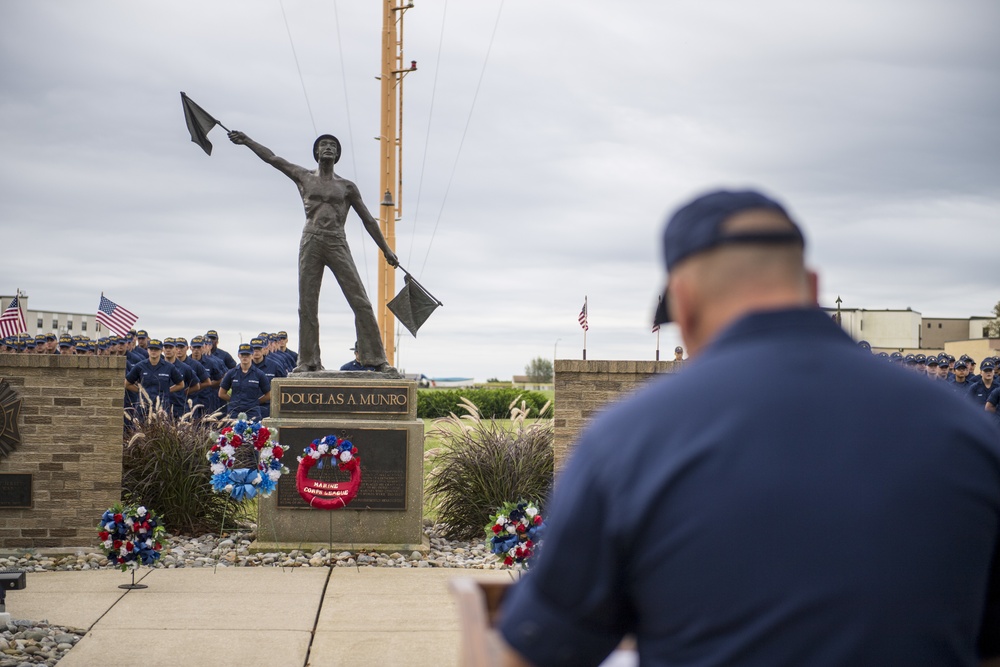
(327,199)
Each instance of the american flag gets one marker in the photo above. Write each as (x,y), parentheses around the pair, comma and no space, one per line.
(12,320)
(114,317)
(583,315)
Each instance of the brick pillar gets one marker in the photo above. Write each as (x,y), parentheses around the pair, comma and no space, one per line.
(584,387)
(71,444)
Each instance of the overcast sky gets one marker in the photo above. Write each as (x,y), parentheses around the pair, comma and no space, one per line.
(875,121)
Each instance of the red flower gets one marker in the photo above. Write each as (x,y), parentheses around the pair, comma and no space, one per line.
(496,528)
(215,448)
(228,429)
(508,561)
(119,518)
(263,434)
(117,544)
(104,535)
(521,527)
(354,451)
(236,441)
(538,519)
(278,451)
(157,546)
(129,546)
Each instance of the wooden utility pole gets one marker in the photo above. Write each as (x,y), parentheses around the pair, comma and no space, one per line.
(391,158)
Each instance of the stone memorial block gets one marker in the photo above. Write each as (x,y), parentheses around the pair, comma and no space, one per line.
(378,415)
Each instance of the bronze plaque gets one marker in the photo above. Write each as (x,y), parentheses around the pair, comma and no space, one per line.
(10,406)
(15,491)
(382,453)
(342,400)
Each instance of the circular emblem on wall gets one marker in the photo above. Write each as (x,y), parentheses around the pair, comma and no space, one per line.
(10,407)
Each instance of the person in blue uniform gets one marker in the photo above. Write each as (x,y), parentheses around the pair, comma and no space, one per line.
(157,377)
(283,347)
(141,344)
(355,364)
(212,339)
(791,522)
(208,395)
(194,393)
(980,391)
(179,400)
(268,367)
(245,387)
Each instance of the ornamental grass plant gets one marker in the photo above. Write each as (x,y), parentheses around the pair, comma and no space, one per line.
(164,466)
(484,463)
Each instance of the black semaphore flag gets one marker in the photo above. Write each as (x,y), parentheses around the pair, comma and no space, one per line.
(413,305)
(199,123)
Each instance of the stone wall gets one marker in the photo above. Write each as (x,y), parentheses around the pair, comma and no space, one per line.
(71,443)
(584,387)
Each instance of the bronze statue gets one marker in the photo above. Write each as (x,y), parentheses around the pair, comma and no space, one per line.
(327,199)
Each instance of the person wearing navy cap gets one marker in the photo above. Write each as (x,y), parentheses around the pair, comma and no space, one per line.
(958,382)
(245,387)
(208,395)
(141,344)
(212,348)
(157,377)
(751,531)
(355,364)
(283,346)
(270,368)
(980,390)
(199,371)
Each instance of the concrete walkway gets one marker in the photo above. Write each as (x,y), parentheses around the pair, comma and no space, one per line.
(253,616)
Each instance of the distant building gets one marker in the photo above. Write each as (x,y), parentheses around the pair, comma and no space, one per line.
(908,329)
(46,321)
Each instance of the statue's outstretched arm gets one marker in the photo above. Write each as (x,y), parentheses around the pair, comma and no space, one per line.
(371,224)
(265,154)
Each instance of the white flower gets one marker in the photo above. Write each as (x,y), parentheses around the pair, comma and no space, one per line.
(501,520)
(531,511)
(274,475)
(323,449)
(141,511)
(229,487)
(346,456)
(149,543)
(106,544)
(128,521)
(299,459)
(314,453)
(511,528)
(228,450)
(218,468)
(266,453)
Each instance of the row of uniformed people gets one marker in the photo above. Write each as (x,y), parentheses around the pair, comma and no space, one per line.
(959,374)
(208,379)
(51,344)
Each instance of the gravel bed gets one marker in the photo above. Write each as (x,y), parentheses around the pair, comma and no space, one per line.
(38,643)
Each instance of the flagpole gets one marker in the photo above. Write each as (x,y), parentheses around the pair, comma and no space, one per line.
(657,344)
(587,310)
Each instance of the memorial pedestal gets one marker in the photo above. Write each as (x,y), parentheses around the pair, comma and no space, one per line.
(380,417)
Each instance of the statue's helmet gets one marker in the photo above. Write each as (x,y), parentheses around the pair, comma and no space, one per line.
(327,136)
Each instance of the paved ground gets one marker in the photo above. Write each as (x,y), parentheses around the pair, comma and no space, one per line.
(253,616)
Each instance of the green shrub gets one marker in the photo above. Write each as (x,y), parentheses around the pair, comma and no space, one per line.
(484,463)
(164,467)
(491,403)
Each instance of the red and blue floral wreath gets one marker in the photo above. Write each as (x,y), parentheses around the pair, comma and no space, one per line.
(245,483)
(328,495)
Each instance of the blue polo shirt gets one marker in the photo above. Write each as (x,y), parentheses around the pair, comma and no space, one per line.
(246,388)
(215,369)
(156,380)
(979,392)
(227,359)
(800,523)
(271,369)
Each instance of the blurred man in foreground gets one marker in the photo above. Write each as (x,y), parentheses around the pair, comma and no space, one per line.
(785,522)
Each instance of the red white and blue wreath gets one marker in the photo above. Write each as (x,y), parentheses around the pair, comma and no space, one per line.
(245,483)
(131,535)
(514,532)
(328,495)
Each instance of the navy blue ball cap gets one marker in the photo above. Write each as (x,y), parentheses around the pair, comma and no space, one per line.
(257,343)
(245,349)
(864,345)
(961,364)
(932,361)
(155,344)
(698,227)
(987,365)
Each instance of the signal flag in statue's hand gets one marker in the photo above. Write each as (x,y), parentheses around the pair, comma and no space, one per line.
(199,122)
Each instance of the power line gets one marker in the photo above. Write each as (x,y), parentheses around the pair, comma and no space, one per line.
(295,56)
(427,138)
(461,143)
